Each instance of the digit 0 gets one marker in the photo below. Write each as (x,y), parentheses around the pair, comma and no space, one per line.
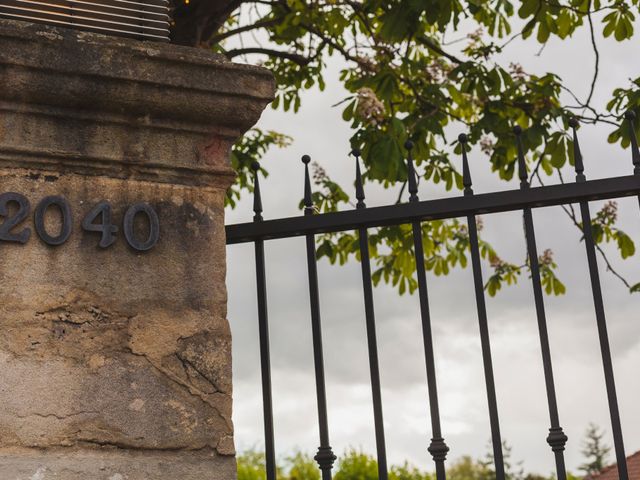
(154,227)
(65,229)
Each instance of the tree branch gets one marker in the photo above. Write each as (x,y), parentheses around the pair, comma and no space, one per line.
(597,54)
(294,57)
(434,47)
(254,26)
(572,215)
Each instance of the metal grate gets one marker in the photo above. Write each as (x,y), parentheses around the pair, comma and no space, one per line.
(142,19)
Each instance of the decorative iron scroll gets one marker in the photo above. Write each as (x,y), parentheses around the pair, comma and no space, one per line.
(141,19)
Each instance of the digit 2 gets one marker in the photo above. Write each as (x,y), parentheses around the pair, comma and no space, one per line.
(18,217)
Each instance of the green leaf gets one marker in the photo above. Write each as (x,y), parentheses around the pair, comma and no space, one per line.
(625,244)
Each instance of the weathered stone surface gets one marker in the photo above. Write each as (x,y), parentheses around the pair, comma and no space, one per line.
(113,465)
(116,364)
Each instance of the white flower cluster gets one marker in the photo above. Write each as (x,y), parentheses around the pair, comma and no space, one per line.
(546,258)
(517,72)
(370,108)
(486,145)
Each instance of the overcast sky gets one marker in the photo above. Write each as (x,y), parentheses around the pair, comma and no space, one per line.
(319,130)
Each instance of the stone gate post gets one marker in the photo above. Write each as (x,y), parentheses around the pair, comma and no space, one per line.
(115,351)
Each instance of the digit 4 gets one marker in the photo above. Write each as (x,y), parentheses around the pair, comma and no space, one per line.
(107,228)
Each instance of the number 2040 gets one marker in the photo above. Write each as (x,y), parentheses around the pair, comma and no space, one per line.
(99,219)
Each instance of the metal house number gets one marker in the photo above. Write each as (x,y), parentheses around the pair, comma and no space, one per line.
(99,219)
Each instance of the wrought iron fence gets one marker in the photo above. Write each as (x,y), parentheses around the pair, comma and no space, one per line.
(141,19)
(414,212)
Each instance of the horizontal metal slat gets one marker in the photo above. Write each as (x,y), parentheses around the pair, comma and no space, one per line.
(146,20)
(102,11)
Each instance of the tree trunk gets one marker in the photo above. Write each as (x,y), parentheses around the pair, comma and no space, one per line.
(196,21)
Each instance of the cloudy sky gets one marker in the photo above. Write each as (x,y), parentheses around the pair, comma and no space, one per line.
(319,130)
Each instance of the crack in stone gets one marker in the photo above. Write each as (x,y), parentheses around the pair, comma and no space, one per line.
(125,446)
(178,381)
(185,362)
(57,416)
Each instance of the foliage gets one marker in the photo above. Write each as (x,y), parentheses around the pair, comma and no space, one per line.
(253,146)
(604,230)
(466,468)
(251,466)
(357,465)
(302,467)
(512,470)
(595,451)
(411,74)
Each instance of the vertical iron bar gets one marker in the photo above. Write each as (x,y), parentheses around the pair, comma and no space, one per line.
(635,152)
(263,328)
(372,341)
(496,439)
(437,448)
(325,456)
(556,438)
(600,316)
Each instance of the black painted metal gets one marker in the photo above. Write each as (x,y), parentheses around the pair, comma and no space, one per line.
(437,448)
(65,211)
(15,218)
(478,204)
(635,152)
(325,456)
(154,227)
(415,212)
(372,341)
(600,315)
(556,438)
(263,331)
(485,343)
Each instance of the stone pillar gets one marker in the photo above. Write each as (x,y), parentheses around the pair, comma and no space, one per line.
(115,362)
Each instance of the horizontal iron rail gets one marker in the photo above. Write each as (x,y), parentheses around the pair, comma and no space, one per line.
(444,208)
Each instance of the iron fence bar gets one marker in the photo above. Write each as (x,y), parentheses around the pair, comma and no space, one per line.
(437,448)
(556,438)
(325,456)
(372,342)
(635,152)
(263,332)
(485,342)
(463,206)
(600,315)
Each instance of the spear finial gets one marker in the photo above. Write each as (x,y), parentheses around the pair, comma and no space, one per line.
(359,187)
(635,153)
(466,172)
(411,173)
(522,164)
(257,197)
(577,154)
(308,200)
